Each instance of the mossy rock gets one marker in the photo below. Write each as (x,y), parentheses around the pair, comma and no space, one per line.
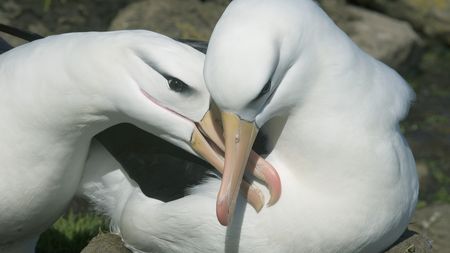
(185,19)
(106,243)
(432,17)
(389,40)
(410,242)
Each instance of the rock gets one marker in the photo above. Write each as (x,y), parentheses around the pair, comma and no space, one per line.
(329,2)
(4,46)
(432,17)
(185,19)
(410,242)
(61,17)
(434,223)
(9,10)
(106,243)
(389,40)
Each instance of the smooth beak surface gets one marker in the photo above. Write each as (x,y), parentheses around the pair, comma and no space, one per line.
(210,148)
(265,172)
(211,125)
(239,137)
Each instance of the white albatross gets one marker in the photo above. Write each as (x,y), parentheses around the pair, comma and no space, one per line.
(58,92)
(330,116)
(330,113)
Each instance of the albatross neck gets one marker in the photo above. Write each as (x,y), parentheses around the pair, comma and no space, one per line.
(351,104)
(44,96)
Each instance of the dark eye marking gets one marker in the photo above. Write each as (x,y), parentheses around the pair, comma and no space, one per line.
(265,89)
(177,85)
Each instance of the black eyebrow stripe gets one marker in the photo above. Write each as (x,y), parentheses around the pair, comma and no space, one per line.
(190,89)
(259,94)
(25,35)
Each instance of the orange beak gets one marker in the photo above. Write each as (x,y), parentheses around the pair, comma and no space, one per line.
(239,137)
(210,148)
(207,141)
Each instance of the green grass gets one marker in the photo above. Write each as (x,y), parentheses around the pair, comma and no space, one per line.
(47,4)
(71,233)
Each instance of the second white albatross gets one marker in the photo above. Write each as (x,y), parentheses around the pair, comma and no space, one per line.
(330,113)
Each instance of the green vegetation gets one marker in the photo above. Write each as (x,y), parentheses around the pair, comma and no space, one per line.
(442,194)
(47,4)
(427,127)
(71,233)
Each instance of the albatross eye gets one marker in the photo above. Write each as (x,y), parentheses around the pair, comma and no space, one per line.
(265,89)
(177,85)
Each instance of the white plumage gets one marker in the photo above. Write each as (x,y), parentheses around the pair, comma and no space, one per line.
(58,92)
(330,116)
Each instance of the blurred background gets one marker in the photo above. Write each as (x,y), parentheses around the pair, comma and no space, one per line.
(412,36)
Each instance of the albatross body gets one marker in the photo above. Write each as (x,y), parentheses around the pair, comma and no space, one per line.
(329,114)
(58,92)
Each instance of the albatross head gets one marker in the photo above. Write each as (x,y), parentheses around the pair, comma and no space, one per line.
(153,82)
(146,79)
(249,71)
(161,90)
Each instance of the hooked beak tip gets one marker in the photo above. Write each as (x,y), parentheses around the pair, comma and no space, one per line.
(222,211)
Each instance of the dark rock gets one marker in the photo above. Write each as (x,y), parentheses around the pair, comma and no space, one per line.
(4,46)
(389,40)
(434,223)
(106,243)
(60,17)
(186,19)
(411,242)
(432,17)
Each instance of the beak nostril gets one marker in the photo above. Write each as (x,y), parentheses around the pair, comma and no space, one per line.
(239,137)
